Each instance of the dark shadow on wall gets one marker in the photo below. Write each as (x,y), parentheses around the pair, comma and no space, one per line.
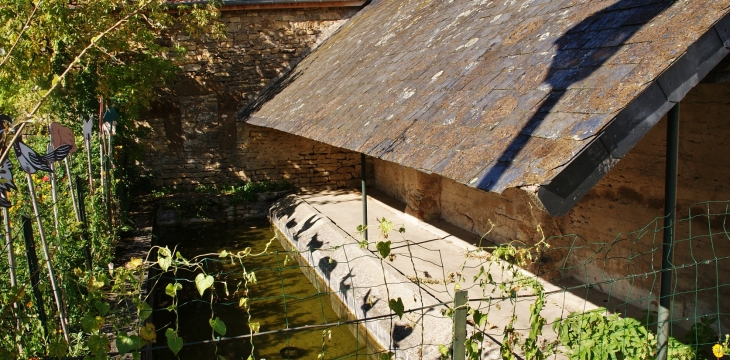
(580,52)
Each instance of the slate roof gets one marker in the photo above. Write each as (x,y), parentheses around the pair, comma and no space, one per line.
(543,94)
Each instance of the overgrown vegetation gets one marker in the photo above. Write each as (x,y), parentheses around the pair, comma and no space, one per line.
(242,193)
(56,60)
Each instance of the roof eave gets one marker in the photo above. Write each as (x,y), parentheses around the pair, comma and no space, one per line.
(635,120)
(275,4)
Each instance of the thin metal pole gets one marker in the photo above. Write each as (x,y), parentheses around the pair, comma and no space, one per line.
(363,169)
(461,298)
(71,187)
(54,196)
(35,279)
(101,165)
(9,246)
(11,261)
(670,207)
(87,142)
(84,224)
(47,258)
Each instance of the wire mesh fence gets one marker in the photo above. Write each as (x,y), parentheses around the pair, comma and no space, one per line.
(308,290)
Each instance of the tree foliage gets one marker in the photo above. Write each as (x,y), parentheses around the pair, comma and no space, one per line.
(40,39)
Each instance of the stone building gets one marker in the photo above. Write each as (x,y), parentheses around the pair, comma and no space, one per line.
(194,137)
(515,112)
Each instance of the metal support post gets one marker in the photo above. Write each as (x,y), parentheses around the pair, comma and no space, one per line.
(461,299)
(35,277)
(363,169)
(670,206)
(84,224)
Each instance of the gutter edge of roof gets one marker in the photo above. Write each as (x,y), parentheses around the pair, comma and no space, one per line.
(633,122)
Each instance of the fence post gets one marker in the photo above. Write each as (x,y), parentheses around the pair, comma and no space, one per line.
(363,171)
(670,206)
(35,278)
(84,225)
(461,299)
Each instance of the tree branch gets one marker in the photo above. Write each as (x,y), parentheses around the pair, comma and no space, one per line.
(22,31)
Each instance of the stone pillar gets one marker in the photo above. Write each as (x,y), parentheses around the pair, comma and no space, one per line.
(423,200)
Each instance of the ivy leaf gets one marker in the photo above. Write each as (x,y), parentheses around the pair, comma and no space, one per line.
(144,310)
(174,342)
(102,306)
(218,326)
(203,282)
(164,258)
(243,302)
(91,323)
(171,289)
(148,333)
(255,327)
(126,343)
(479,318)
(383,248)
(397,307)
(99,345)
(58,349)
(134,263)
(251,277)
(223,254)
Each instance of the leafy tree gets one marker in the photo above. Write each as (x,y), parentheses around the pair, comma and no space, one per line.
(64,54)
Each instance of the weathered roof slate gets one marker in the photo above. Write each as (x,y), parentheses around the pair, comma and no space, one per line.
(499,94)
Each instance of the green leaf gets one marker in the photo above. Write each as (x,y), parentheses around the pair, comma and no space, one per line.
(148,333)
(383,248)
(174,342)
(243,302)
(126,343)
(7,355)
(223,254)
(386,356)
(255,327)
(171,289)
(251,277)
(102,306)
(56,79)
(164,258)
(58,349)
(144,310)
(218,326)
(203,282)
(397,307)
(479,318)
(91,323)
(98,345)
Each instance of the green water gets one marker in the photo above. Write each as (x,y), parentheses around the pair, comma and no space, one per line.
(282,297)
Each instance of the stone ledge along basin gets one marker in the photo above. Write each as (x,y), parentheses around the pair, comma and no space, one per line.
(362,283)
(282,298)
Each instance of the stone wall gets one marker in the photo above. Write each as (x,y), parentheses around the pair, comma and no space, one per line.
(627,199)
(193,135)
